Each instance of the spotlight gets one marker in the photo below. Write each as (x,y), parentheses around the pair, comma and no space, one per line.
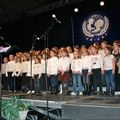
(38,38)
(102,3)
(76,10)
(53,16)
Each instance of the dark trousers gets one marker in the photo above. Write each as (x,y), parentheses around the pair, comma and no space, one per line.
(36,83)
(86,80)
(54,83)
(43,82)
(29,83)
(91,84)
(18,84)
(65,86)
(110,82)
(4,82)
(117,80)
(11,81)
(24,81)
(97,79)
(77,83)
(53,80)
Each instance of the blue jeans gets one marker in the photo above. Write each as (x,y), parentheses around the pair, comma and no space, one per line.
(77,83)
(110,82)
(86,80)
(53,80)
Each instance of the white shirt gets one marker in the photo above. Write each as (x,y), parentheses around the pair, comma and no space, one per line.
(86,63)
(102,53)
(10,67)
(64,64)
(43,70)
(118,64)
(108,65)
(25,66)
(76,65)
(97,61)
(71,56)
(18,68)
(30,68)
(3,68)
(37,69)
(52,66)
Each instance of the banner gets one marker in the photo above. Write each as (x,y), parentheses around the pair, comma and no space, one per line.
(94,27)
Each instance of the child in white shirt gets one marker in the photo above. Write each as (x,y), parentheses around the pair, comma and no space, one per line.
(9,72)
(25,82)
(17,74)
(97,69)
(3,72)
(109,70)
(86,70)
(52,69)
(44,74)
(76,68)
(37,74)
(64,70)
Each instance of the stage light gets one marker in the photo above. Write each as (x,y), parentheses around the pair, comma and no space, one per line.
(53,15)
(76,10)
(102,3)
(38,38)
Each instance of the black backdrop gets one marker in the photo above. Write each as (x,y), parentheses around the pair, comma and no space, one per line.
(20,33)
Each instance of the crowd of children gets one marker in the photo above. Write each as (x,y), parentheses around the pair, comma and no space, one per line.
(88,69)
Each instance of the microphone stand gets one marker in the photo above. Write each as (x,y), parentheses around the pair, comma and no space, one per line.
(46,78)
(33,45)
(45,37)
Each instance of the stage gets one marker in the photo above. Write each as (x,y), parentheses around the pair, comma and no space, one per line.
(67,107)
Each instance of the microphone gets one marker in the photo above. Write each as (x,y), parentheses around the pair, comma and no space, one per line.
(4,41)
(58,21)
(54,16)
(2,37)
(36,37)
(16,47)
(7,44)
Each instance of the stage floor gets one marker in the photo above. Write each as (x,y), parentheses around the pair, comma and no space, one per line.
(93,107)
(72,107)
(69,99)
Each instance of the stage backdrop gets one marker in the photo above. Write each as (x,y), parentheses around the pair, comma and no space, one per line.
(95,27)
(91,24)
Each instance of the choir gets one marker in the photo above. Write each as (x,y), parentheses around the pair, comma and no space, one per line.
(88,69)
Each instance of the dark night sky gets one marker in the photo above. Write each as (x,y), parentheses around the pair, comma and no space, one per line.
(20,33)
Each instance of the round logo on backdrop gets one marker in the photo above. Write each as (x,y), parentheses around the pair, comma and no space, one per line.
(95,27)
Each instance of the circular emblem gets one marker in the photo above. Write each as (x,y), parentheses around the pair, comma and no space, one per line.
(95,26)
